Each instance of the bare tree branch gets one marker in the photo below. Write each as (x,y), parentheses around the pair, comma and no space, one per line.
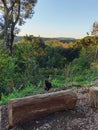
(4,3)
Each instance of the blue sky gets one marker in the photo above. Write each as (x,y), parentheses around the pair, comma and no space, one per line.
(62,18)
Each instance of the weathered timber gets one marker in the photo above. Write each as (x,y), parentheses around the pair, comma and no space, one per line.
(33,107)
(93,96)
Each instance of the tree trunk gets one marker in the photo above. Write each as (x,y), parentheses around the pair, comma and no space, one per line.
(11,41)
(6,41)
(33,107)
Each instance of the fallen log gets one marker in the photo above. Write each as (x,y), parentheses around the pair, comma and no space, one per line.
(33,107)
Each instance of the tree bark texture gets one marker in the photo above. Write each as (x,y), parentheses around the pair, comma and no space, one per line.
(93,97)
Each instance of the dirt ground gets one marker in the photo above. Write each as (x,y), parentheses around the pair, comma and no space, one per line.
(82,117)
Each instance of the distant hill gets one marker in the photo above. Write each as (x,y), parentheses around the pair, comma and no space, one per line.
(18,38)
(62,39)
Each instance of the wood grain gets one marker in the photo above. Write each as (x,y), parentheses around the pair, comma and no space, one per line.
(32,107)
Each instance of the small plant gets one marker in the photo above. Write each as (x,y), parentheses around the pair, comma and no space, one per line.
(58,83)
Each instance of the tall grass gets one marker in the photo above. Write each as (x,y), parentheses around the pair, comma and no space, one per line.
(32,90)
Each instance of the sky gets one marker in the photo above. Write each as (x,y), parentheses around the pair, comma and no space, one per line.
(62,18)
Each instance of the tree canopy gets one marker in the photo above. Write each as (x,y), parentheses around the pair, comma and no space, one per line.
(95,29)
(13,12)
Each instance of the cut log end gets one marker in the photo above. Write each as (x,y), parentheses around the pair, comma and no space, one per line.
(93,97)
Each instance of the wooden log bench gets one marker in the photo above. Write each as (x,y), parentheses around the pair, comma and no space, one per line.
(33,107)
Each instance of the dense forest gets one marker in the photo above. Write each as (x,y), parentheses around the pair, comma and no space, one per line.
(35,58)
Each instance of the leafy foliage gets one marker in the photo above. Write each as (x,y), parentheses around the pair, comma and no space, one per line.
(34,59)
(13,12)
